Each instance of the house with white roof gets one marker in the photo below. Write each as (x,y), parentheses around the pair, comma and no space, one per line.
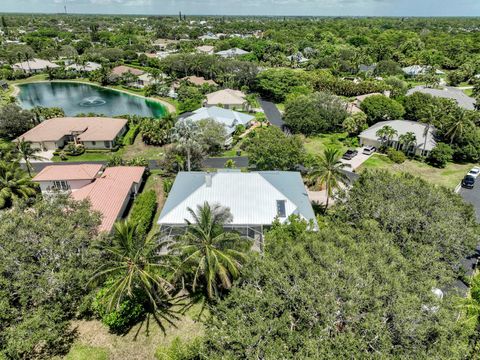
(89,66)
(34,66)
(232,53)
(255,199)
(228,99)
(424,134)
(229,118)
(205,49)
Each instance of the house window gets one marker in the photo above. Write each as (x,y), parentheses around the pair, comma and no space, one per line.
(60,185)
(281,212)
(94,143)
(107,144)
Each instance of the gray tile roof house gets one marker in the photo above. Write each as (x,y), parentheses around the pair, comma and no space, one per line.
(369,136)
(255,199)
(232,52)
(229,118)
(462,99)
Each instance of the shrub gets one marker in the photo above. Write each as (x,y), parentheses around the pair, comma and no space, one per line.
(440,155)
(167,185)
(130,136)
(74,149)
(396,156)
(180,350)
(121,318)
(143,211)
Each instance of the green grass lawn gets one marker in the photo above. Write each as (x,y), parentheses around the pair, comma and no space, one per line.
(85,352)
(317,144)
(448,177)
(38,77)
(87,156)
(468,92)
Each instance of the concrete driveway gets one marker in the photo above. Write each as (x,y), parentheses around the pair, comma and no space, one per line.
(46,155)
(357,160)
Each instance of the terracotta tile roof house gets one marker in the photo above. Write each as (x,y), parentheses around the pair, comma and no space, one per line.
(199,80)
(206,49)
(227,98)
(111,192)
(66,177)
(34,66)
(92,132)
(122,69)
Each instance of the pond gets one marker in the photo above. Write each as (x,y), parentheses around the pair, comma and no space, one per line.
(76,98)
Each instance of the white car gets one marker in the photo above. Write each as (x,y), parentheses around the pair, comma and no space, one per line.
(474,172)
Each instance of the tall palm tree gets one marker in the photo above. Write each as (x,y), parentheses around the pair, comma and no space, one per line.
(27,153)
(386,134)
(186,134)
(457,127)
(212,256)
(328,172)
(407,140)
(14,183)
(135,265)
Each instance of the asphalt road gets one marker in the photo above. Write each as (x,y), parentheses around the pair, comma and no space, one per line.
(272,113)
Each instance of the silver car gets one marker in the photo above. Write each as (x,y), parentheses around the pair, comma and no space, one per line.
(369,150)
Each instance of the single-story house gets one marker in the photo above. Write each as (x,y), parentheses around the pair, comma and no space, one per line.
(34,66)
(209,36)
(416,70)
(111,192)
(229,118)
(227,98)
(162,44)
(448,92)
(255,200)
(122,70)
(66,177)
(108,190)
(87,67)
(232,53)
(425,140)
(92,132)
(205,49)
(198,80)
(367,68)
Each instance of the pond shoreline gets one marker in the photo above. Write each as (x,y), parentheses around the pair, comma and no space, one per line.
(169,107)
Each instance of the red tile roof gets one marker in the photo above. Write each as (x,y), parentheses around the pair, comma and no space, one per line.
(108,193)
(68,172)
(122,69)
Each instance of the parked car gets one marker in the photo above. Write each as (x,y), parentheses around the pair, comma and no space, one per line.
(369,150)
(468,182)
(474,172)
(350,154)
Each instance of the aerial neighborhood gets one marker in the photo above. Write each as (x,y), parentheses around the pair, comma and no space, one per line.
(235,187)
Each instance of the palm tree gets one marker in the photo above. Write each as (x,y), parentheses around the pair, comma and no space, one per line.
(386,134)
(407,140)
(14,183)
(186,134)
(135,265)
(470,307)
(457,127)
(27,153)
(328,172)
(210,254)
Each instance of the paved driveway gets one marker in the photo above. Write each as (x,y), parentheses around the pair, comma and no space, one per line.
(272,113)
(472,196)
(357,160)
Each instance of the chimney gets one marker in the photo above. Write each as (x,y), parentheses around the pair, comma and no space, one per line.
(208,180)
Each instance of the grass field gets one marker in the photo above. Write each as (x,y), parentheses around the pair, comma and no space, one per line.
(448,177)
(317,144)
(85,352)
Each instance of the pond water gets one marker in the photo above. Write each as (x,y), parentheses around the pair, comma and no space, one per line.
(75,98)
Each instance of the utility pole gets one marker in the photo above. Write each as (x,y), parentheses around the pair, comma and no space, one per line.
(180,15)
(65,7)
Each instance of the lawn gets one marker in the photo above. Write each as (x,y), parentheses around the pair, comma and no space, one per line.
(87,156)
(468,92)
(448,177)
(317,144)
(143,341)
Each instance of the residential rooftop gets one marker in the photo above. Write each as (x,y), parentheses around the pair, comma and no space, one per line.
(68,172)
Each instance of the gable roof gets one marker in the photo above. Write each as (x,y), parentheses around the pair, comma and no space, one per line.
(90,129)
(107,194)
(251,197)
(68,172)
(462,99)
(227,97)
(232,52)
(229,118)
(402,127)
(205,48)
(199,80)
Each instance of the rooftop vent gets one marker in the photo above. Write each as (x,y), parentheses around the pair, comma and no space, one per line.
(208,180)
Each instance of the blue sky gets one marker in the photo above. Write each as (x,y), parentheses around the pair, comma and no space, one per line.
(253,7)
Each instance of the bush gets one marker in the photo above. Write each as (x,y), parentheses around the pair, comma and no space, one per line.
(120,319)
(130,136)
(143,211)
(167,185)
(396,156)
(380,108)
(440,155)
(74,149)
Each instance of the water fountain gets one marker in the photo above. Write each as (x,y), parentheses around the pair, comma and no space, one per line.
(92,101)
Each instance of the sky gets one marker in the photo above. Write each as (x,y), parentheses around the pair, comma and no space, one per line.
(252,7)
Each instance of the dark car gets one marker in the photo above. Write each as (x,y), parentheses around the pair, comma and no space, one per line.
(468,182)
(350,154)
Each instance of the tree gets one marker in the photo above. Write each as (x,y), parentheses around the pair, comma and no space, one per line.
(440,155)
(190,98)
(386,134)
(48,251)
(276,84)
(381,108)
(458,125)
(211,257)
(355,123)
(212,136)
(408,140)
(271,149)
(14,121)
(14,184)
(156,131)
(186,133)
(27,153)
(314,114)
(328,172)
(134,265)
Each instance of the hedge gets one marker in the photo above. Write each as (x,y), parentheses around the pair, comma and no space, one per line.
(143,211)
(130,136)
